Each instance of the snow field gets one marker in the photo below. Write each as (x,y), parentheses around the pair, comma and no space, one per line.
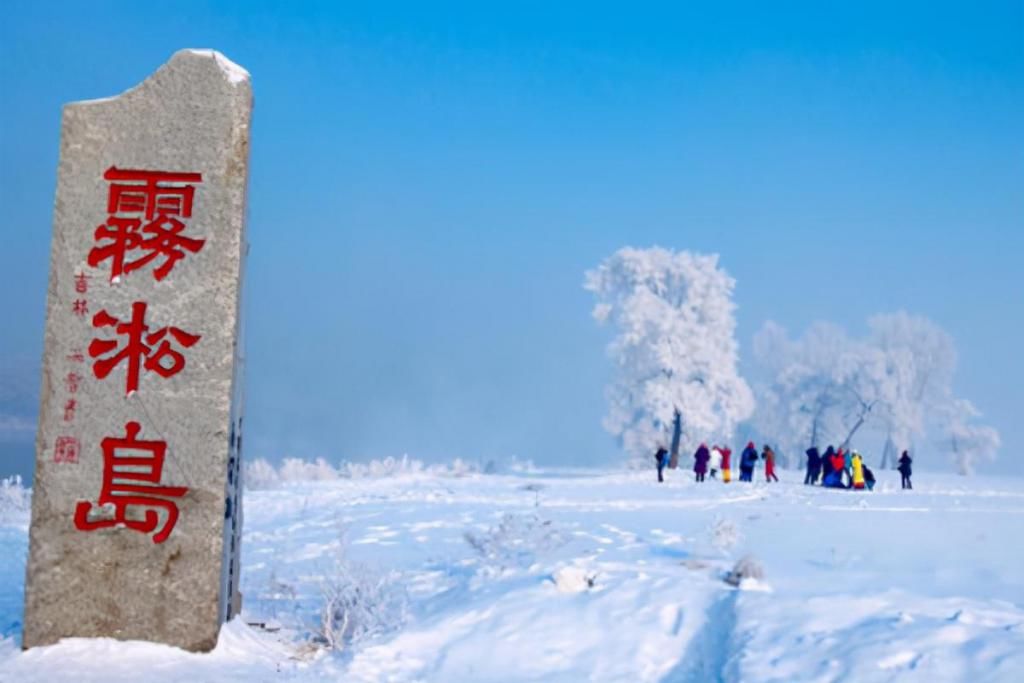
(883,586)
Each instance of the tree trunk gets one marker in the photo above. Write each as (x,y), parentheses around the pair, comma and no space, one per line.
(849,437)
(814,432)
(865,410)
(888,454)
(677,430)
(782,459)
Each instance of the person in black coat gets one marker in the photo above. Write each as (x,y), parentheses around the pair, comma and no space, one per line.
(813,465)
(905,469)
(869,477)
(662,458)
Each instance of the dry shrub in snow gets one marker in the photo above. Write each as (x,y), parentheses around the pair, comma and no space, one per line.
(746,568)
(276,601)
(516,540)
(359,603)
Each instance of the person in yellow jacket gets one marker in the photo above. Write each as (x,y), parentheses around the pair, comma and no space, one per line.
(858,470)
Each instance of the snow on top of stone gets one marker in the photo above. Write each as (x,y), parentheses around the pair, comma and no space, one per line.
(234,72)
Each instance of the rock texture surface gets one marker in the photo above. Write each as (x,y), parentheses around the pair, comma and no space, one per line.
(122,567)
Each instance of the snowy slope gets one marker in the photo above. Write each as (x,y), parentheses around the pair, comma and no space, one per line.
(885,586)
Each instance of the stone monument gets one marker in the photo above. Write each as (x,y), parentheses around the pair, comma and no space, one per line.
(136,509)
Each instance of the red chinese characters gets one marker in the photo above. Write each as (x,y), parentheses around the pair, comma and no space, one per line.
(72,382)
(70,406)
(132,470)
(146,211)
(146,225)
(153,351)
(66,449)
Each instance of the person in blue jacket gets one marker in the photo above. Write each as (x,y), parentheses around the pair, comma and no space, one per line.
(813,466)
(661,458)
(748,461)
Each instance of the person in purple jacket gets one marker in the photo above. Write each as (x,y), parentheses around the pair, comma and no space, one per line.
(700,461)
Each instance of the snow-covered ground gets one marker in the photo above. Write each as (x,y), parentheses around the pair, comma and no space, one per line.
(598,575)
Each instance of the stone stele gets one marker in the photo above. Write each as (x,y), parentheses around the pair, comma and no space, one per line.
(136,505)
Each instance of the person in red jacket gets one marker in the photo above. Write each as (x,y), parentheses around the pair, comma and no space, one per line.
(726,471)
(769,463)
(839,462)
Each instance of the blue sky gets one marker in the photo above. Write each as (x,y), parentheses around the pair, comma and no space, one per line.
(429,183)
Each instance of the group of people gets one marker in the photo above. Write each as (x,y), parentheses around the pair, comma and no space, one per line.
(719,459)
(846,469)
(835,468)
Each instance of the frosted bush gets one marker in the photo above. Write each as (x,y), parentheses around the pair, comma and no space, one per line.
(518,466)
(511,465)
(15,500)
(460,468)
(359,603)
(275,601)
(388,467)
(296,469)
(517,540)
(260,474)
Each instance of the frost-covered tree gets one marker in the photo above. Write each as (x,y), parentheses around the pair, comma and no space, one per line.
(826,387)
(803,402)
(968,443)
(675,351)
(921,360)
(867,380)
